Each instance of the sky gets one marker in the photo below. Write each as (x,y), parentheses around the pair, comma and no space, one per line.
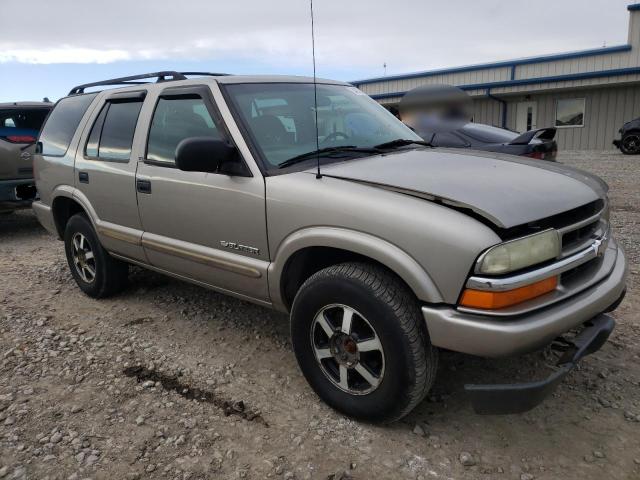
(62,43)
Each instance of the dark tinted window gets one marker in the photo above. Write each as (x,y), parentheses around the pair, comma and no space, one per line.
(488,134)
(62,123)
(174,120)
(111,136)
(22,121)
(91,149)
(448,139)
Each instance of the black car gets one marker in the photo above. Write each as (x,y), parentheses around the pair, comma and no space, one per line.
(538,144)
(629,142)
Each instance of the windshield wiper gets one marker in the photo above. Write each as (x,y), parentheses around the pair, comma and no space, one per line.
(323,152)
(401,142)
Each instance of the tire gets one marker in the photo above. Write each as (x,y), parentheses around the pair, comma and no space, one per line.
(381,307)
(630,143)
(109,274)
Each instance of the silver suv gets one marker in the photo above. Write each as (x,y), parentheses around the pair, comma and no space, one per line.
(20,123)
(312,199)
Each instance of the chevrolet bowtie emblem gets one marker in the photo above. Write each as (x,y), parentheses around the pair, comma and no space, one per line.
(599,246)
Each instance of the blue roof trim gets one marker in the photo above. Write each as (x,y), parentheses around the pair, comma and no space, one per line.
(531,81)
(506,63)
(633,6)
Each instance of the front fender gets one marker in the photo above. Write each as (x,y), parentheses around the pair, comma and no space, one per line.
(364,244)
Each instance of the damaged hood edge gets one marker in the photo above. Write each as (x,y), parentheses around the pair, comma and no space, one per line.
(425,196)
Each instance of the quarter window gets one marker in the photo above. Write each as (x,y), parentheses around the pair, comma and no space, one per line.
(174,120)
(62,123)
(570,112)
(111,136)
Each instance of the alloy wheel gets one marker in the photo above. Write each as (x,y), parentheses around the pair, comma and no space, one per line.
(83,257)
(348,349)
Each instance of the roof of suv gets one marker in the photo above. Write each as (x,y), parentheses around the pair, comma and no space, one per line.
(274,79)
(170,78)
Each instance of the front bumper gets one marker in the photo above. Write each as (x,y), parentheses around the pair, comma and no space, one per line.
(503,336)
(616,142)
(521,397)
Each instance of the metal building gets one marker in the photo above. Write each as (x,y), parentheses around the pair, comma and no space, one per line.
(587,94)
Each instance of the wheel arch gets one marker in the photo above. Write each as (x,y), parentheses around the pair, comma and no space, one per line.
(65,204)
(309,250)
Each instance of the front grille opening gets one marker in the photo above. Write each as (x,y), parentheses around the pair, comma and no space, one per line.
(578,236)
(560,220)
(579,273)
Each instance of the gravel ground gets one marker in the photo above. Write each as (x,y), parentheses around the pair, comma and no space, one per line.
(168,380)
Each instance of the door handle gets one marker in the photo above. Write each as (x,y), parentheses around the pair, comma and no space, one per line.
(83,177)
(143,186)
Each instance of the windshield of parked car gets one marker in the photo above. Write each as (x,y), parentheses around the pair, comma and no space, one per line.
(488,133)
(280,120)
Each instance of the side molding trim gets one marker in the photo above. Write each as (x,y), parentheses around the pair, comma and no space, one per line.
(184,278)
(212,260)
(118,234)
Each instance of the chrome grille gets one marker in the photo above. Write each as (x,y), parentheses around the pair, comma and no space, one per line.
(580,235)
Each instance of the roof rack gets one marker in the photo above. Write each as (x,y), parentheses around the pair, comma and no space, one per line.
(166,76)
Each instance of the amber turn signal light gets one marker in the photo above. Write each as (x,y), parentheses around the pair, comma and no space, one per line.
(494,300)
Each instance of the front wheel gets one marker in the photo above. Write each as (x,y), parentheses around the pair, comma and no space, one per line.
(361,342)
(96,272)
(630,143)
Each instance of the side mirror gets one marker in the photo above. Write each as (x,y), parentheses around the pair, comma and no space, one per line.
(204,154)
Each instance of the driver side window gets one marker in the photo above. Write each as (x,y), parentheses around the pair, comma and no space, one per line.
(175,119)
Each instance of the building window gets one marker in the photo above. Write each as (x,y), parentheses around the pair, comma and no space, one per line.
(570,112)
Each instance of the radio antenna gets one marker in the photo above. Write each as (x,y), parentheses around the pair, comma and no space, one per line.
(315,93)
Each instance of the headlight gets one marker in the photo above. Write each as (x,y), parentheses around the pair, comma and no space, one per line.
(520,253)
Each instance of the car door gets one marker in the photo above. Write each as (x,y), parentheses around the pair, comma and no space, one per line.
(105,172)
(207,227)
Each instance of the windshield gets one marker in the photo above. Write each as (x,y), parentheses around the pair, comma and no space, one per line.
(280,119)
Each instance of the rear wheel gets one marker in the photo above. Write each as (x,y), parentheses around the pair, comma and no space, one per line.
(630,143)
(361,342)
(96,272)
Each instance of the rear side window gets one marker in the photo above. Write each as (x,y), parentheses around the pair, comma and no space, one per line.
(58,131)
(175,119)
(111,136)
(21,125)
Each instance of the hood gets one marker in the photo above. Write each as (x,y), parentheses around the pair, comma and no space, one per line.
(506,190)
